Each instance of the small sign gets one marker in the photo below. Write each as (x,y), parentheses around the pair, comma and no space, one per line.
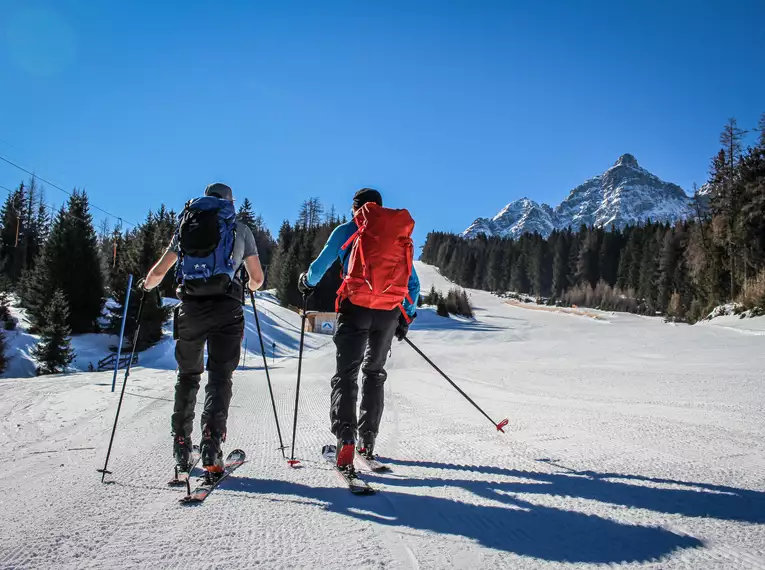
(327,326)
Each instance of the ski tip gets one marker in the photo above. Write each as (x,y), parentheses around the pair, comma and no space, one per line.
(502,424)
(362,492)
(189,501)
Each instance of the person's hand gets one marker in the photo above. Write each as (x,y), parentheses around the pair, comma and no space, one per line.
(143,286)
(303,285)
(403,326)
(253,285)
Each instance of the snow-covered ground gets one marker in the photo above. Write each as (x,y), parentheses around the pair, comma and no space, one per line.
(631,443)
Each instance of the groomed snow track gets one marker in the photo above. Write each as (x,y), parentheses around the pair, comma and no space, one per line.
(631,443)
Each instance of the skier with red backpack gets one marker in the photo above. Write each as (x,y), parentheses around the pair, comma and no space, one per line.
(377,301)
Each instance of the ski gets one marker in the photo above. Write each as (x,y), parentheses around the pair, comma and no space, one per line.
(356,484)
(372,463)
(182,476)
(210,481)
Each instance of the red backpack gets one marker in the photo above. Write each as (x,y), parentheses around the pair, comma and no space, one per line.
(380,262)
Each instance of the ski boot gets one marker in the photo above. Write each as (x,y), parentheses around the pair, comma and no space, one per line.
(366,447)
(346,451)
(182,452)
(212,455)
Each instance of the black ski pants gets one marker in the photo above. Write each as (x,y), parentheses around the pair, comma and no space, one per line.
(363,338)
(217,322)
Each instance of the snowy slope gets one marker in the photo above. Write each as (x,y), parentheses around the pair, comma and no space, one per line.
(281,334)
(632,444)
(623,194)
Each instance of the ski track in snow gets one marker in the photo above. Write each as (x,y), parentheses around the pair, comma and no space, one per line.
(631,444)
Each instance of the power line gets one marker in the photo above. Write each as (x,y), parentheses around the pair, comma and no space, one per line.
(49,183)
(51,209)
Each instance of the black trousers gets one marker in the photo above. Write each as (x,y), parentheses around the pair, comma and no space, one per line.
(218,323)
(363,338)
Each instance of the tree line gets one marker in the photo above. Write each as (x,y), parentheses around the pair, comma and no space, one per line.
(682,270)
(72,278)
(63,271)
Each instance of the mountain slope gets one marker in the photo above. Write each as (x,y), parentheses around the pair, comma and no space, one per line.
(517,217)
(624,194)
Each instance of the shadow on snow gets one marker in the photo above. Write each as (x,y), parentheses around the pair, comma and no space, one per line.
(521,527)
(676,497)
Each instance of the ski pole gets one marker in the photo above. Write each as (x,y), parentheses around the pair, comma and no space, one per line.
(292,461)
(268,376)
(499,425)
(104,471)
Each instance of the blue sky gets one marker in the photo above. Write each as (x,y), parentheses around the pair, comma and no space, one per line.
(450,108)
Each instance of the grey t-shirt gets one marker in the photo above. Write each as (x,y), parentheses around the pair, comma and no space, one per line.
(244,244)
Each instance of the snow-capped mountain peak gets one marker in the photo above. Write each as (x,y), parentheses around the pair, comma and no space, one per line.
(517,217)
(627,160)
(624,194)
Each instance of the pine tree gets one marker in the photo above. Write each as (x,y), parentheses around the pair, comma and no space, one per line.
(560,264)
(54,352)
(76,266)
(23,229)
(263,239)
(281,250)
(519,280)
(289,273)
(140,249)
(587,263)
(70,262)
(638,237)
(649,267)
(13,259)
(668,261)
(246,215)
(610,251)
(753,208)
(727,197)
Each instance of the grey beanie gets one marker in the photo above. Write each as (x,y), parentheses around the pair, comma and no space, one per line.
(220,190)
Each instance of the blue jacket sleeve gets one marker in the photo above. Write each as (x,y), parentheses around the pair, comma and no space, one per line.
(414,293)
(331,252)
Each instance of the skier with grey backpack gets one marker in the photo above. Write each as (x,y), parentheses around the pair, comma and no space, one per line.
(210,246)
